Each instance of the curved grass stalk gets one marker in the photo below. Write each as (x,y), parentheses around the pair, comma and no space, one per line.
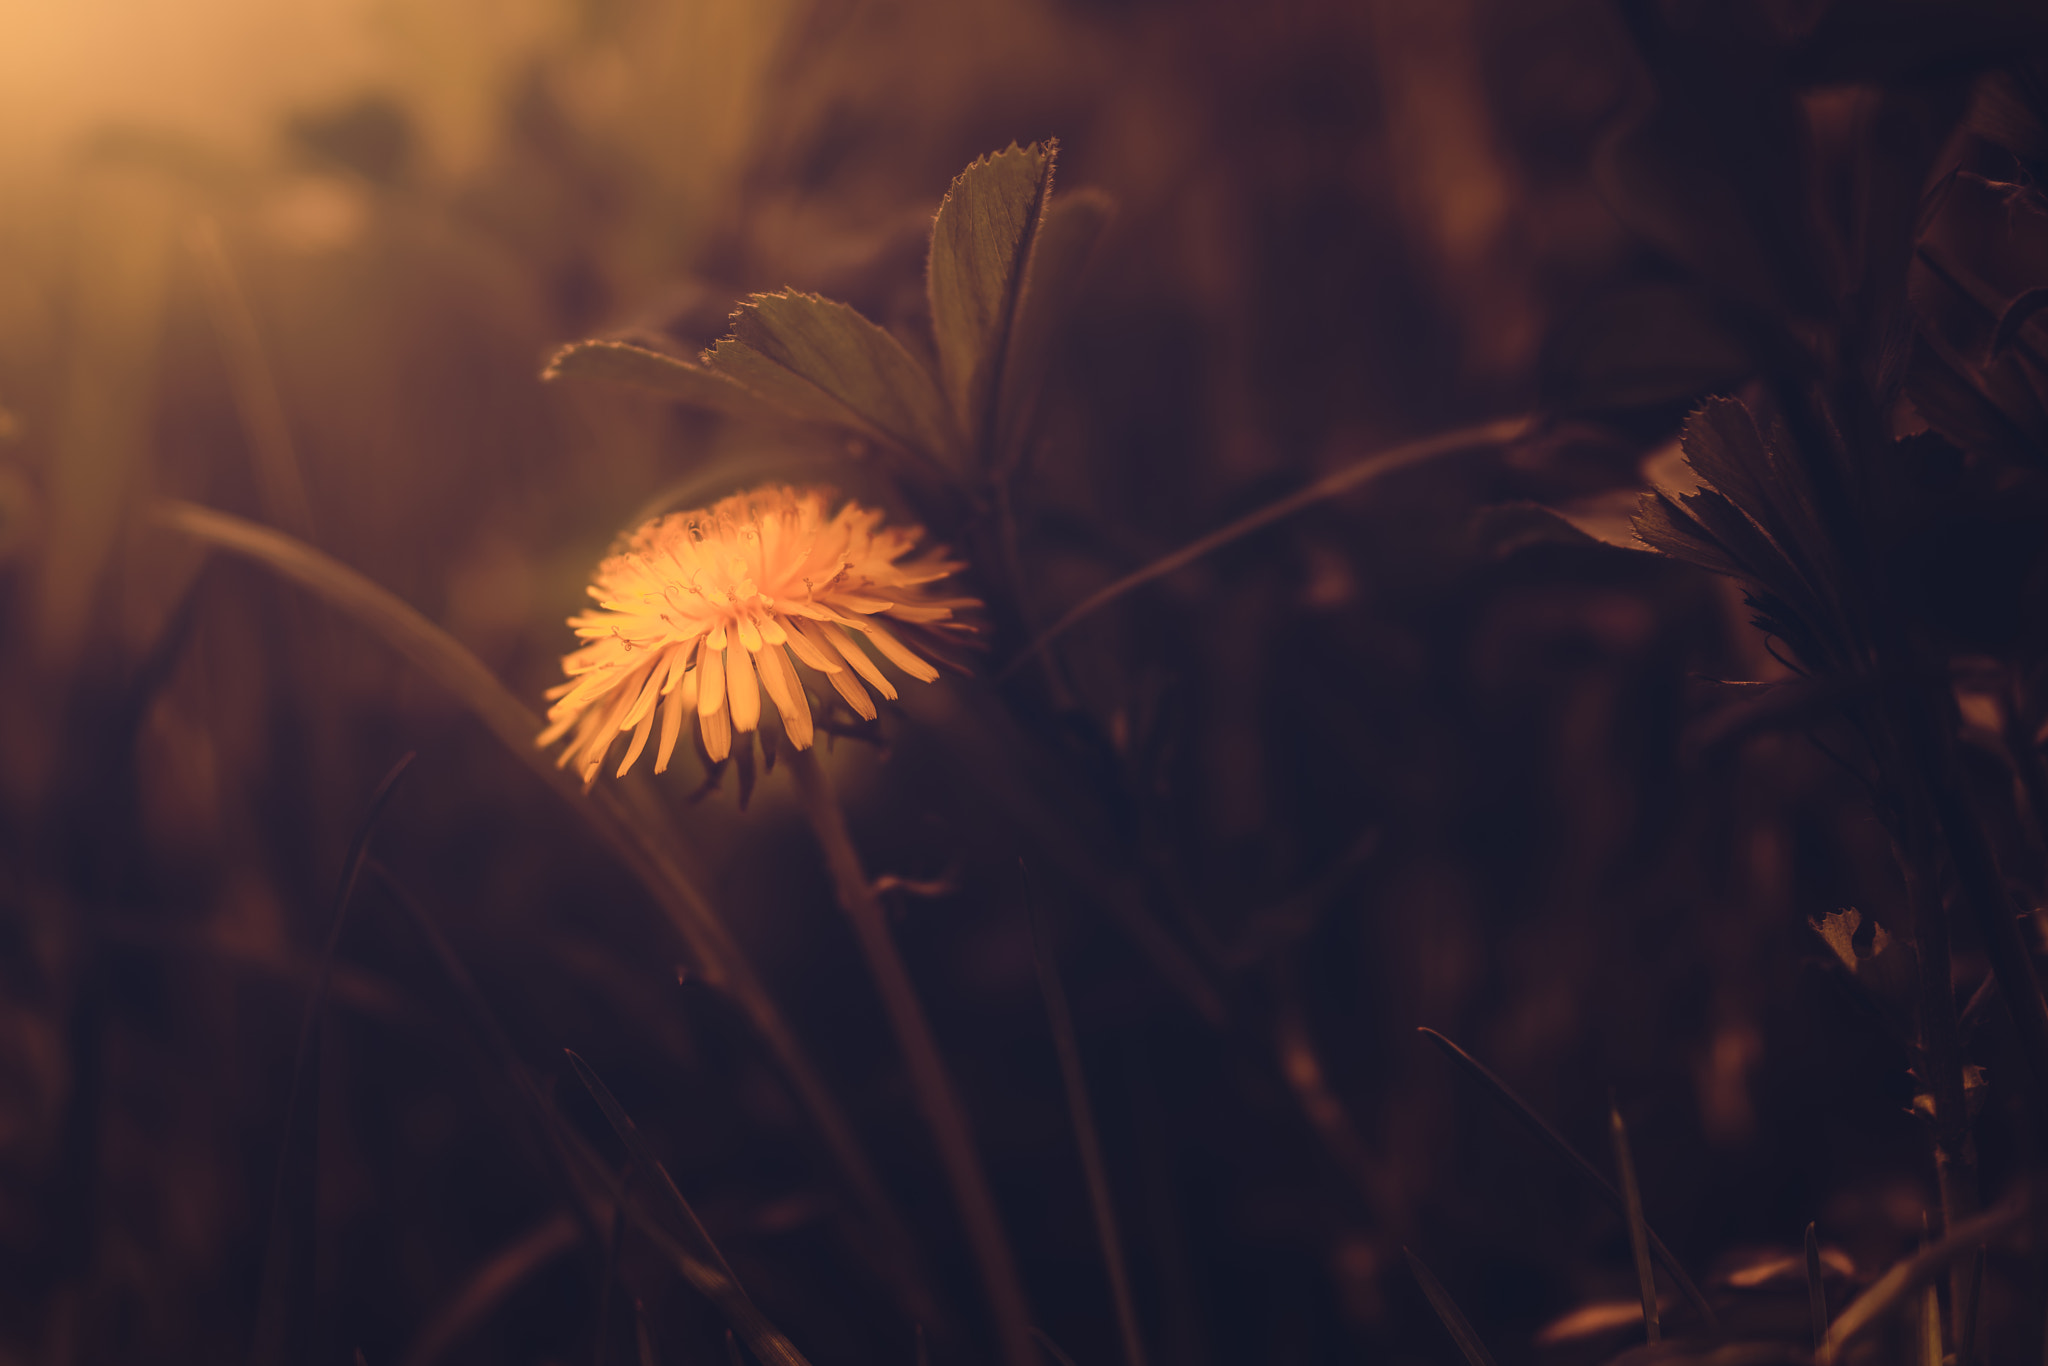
(1447,1310)
(1902,1280)
(717,957)
(929,1082)
(1355,475)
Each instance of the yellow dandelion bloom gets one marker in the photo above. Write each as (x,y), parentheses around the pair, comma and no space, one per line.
(701,612)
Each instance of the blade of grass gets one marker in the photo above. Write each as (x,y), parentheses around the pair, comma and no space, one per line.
(1301,1067)
(642,849)
(490,1284)
(642,1339)
(1085,1134)
(932,1087)
(643,1158)
(595,1193)
(715,1279)
(538,1116)
(1902,1280)
(1454,1320)
(1515,1106)
(1973,1303)
(1052,1349)
(274,1298)
(1816,1290)
(604,1287)
(1354,475)
(1638,1231)
(1930,1326)
(252,383)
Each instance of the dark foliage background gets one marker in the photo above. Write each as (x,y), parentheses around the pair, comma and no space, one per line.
(1417,756)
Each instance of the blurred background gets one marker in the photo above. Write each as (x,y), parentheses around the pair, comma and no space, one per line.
(1391,763)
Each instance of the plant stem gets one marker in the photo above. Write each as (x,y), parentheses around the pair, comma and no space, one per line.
(929,1082)
(1941,1060)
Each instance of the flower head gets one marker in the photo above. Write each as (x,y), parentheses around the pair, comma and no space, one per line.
(700,612)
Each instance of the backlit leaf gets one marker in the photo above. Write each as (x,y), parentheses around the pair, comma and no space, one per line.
(981,242)
(1837,930)
(821,361)
(1071,227)
(652,372)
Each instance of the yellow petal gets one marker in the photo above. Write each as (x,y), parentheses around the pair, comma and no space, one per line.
(639,738)
(778,675)
(810,646)
(644,700)
(711,668)
(673,708)
(742,688)
(856,696)
(899,654)
(717,728)
(854,655)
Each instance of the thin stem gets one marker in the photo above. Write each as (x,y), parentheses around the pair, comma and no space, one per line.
(1088,1140)
(1351,476)
(1942,1060)
(928,1079)
(1638,1231)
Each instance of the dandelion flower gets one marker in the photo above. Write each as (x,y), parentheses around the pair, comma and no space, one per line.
(701,612)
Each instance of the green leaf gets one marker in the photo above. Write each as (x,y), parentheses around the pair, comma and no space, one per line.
(981,242)
(1838,930)
(652,372)
(1071,227)
(1663,525)
(821,361)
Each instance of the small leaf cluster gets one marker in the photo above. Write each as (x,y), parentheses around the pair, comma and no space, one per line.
(1006,260)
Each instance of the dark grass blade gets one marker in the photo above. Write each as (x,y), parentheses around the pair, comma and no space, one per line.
(287,1279)
(1515,1106)
(595,1195)
(1973,1305)
(491,1284)
(1052,1349)
(703,1265)
(1906,1277)
(1454,1320)
(732,1349)
(541,1126)
(1086,1137)
(604,1287)
(1638,1230)
(1816,1290)
(642,1338)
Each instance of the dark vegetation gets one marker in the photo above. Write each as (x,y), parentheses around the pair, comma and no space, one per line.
(1639,687)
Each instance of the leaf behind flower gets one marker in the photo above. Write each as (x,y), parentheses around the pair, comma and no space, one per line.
(654,372)
(821,361)
(1073,224)
(982,242)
